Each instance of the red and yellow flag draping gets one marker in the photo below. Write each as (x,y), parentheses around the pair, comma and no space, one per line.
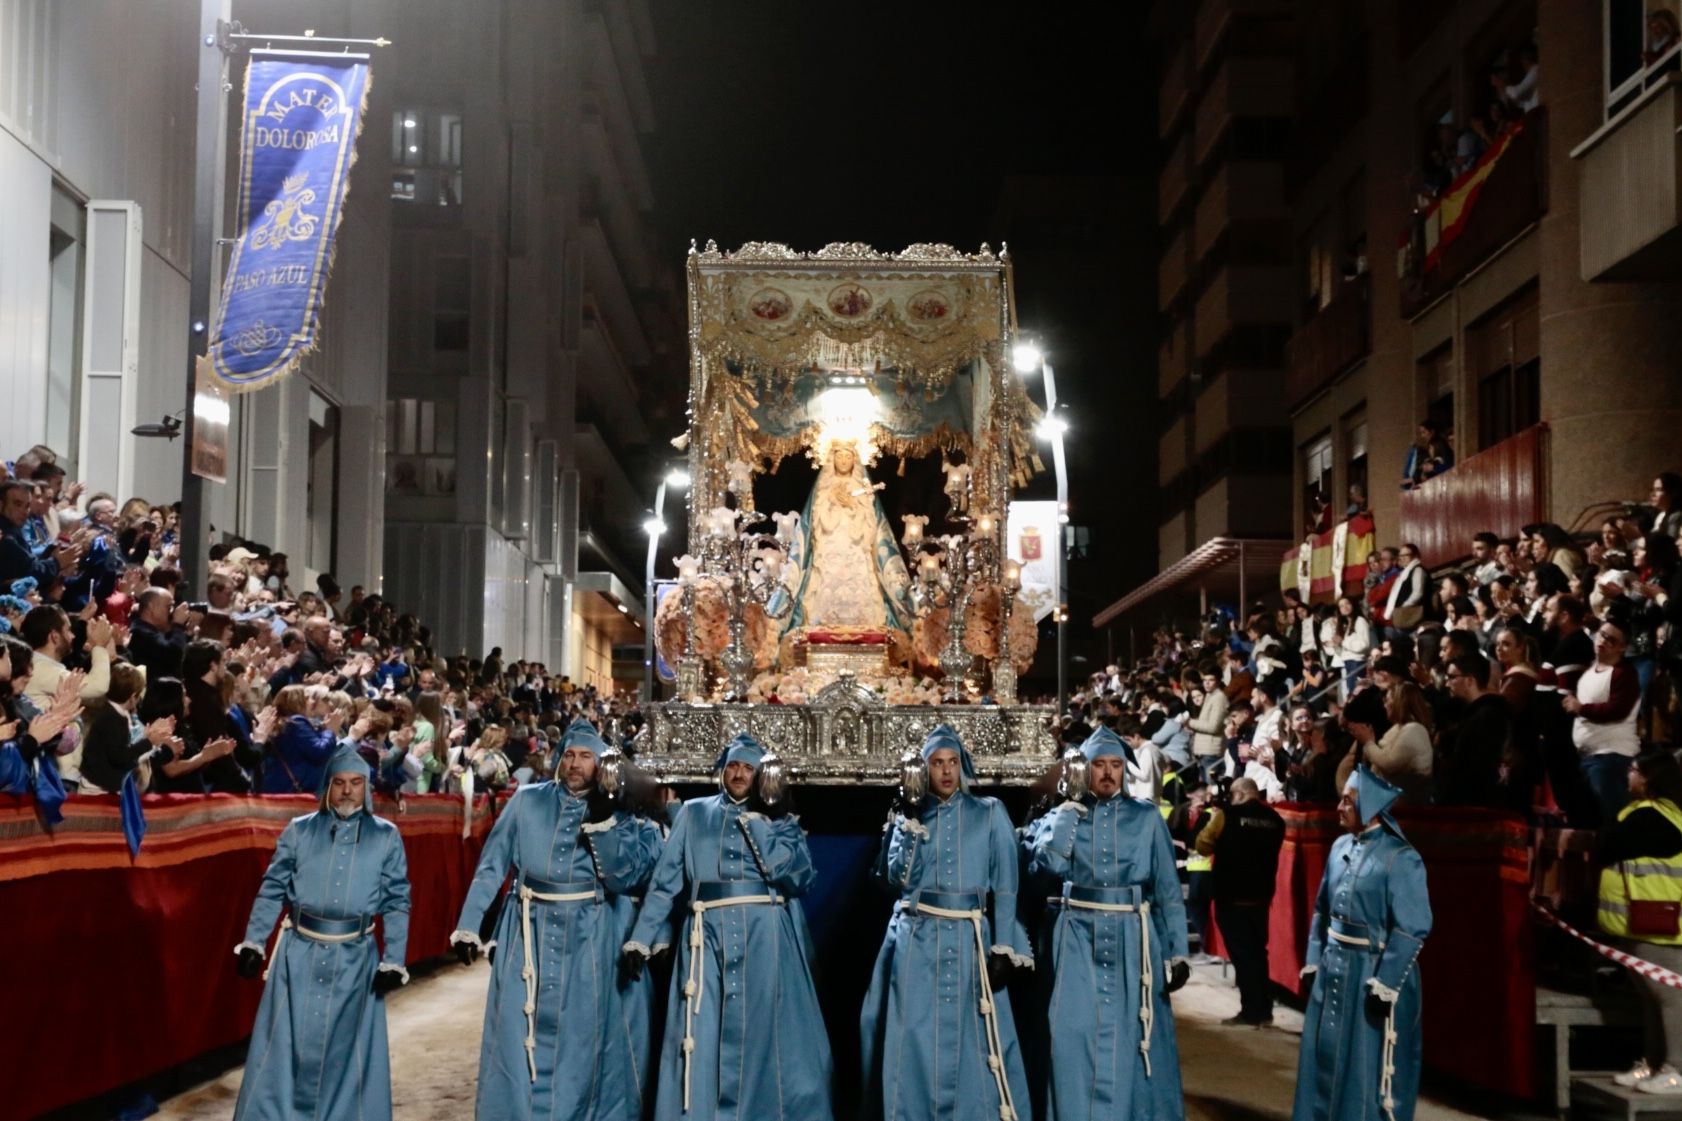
(1325,565)
(1445,219)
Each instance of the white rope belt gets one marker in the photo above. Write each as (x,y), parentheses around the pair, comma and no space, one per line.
(1147,971)
(989,1009)
(1387,1070)
(528,971)
(693,987)
(286,924)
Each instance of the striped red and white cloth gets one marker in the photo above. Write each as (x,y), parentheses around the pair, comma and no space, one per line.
(1645,968)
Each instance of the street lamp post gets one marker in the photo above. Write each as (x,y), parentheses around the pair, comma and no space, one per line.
(1028,358)
(678,479)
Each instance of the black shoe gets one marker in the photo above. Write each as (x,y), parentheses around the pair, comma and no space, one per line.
(1239,1021)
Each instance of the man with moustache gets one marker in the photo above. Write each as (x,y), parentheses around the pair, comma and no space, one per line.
(1118,946)
(744,1037)
(566,1036)
(318,1048)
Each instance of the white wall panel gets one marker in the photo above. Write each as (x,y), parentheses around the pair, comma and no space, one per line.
(162,385)
(25,290)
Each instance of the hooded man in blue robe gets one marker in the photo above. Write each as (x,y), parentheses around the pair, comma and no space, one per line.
(744,1036)
(1117,946)
(318,1049)
(1361,1041)
(566,1037)
(937,1035)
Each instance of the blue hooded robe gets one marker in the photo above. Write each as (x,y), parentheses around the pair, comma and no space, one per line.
(936,1041)
(1370,921)
(744,1038)
(569,908)
(1118,923)
(318,1049)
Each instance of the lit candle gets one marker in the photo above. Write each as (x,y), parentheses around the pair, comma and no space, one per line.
(723,521)
(913,533)
(929,566)
(984,525)
(787,526)
(688,569)
(1013,575)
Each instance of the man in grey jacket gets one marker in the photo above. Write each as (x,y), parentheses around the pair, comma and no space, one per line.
(1209,725)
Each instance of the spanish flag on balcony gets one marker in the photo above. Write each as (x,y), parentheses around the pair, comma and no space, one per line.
(1448,215)
(1311,567)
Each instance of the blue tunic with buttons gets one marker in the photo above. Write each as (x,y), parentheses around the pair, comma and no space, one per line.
(589,1028)
(318,1048)
(1111,852)
(924,1035)
(760,1051)
(1374,893)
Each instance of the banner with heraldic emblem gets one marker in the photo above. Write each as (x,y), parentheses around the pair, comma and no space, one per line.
(302,116)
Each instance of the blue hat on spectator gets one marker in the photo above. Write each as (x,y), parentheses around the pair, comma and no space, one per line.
(24,587)
(1105,742)
(582,733)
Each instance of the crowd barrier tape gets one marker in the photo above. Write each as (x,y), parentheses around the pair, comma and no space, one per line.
(1645,968)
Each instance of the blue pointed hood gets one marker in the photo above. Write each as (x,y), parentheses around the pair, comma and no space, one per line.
(1102,742)
(945,736)
(345,761)
(1373,795)
(582,733)
(743,749)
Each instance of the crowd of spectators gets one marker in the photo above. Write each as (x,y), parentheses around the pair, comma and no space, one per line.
(115,679)
(1526,678)
(1456,146)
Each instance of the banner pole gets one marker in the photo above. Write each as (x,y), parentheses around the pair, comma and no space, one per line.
(208,155)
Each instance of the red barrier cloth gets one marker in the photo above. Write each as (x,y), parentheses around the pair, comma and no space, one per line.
(115,968)
(1479,962)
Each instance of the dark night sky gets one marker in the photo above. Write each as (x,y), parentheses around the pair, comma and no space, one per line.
(961,123)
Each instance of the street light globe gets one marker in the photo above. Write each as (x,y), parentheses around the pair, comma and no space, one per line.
(1027,357)
(1051,427)
(654,527)
(677,477)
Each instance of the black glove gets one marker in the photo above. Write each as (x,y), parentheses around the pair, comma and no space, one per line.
(386,980)
(999,971)
(631,965)
(466,952)
(1178,974)
(250,964)
(490,953)
(1378,1010)
(597,807)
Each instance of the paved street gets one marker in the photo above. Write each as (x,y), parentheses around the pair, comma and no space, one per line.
(1230,1073)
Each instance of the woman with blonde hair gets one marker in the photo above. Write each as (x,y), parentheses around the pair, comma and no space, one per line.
(293,760)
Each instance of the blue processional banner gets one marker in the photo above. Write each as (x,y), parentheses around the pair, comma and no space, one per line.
(302,116)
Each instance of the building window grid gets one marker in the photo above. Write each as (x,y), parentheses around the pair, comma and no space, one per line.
(420,448)
(426,157)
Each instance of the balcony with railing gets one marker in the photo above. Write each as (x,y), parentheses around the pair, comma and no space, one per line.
(1499,490)
(1632,168)
(1325,347)
(1485,208)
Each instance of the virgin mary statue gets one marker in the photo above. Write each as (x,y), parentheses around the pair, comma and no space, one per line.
(850,571)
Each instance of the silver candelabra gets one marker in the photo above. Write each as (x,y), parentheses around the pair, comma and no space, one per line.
(748,564)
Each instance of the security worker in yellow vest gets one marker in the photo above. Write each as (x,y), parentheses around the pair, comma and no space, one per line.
(1641,904)
(1184,823)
